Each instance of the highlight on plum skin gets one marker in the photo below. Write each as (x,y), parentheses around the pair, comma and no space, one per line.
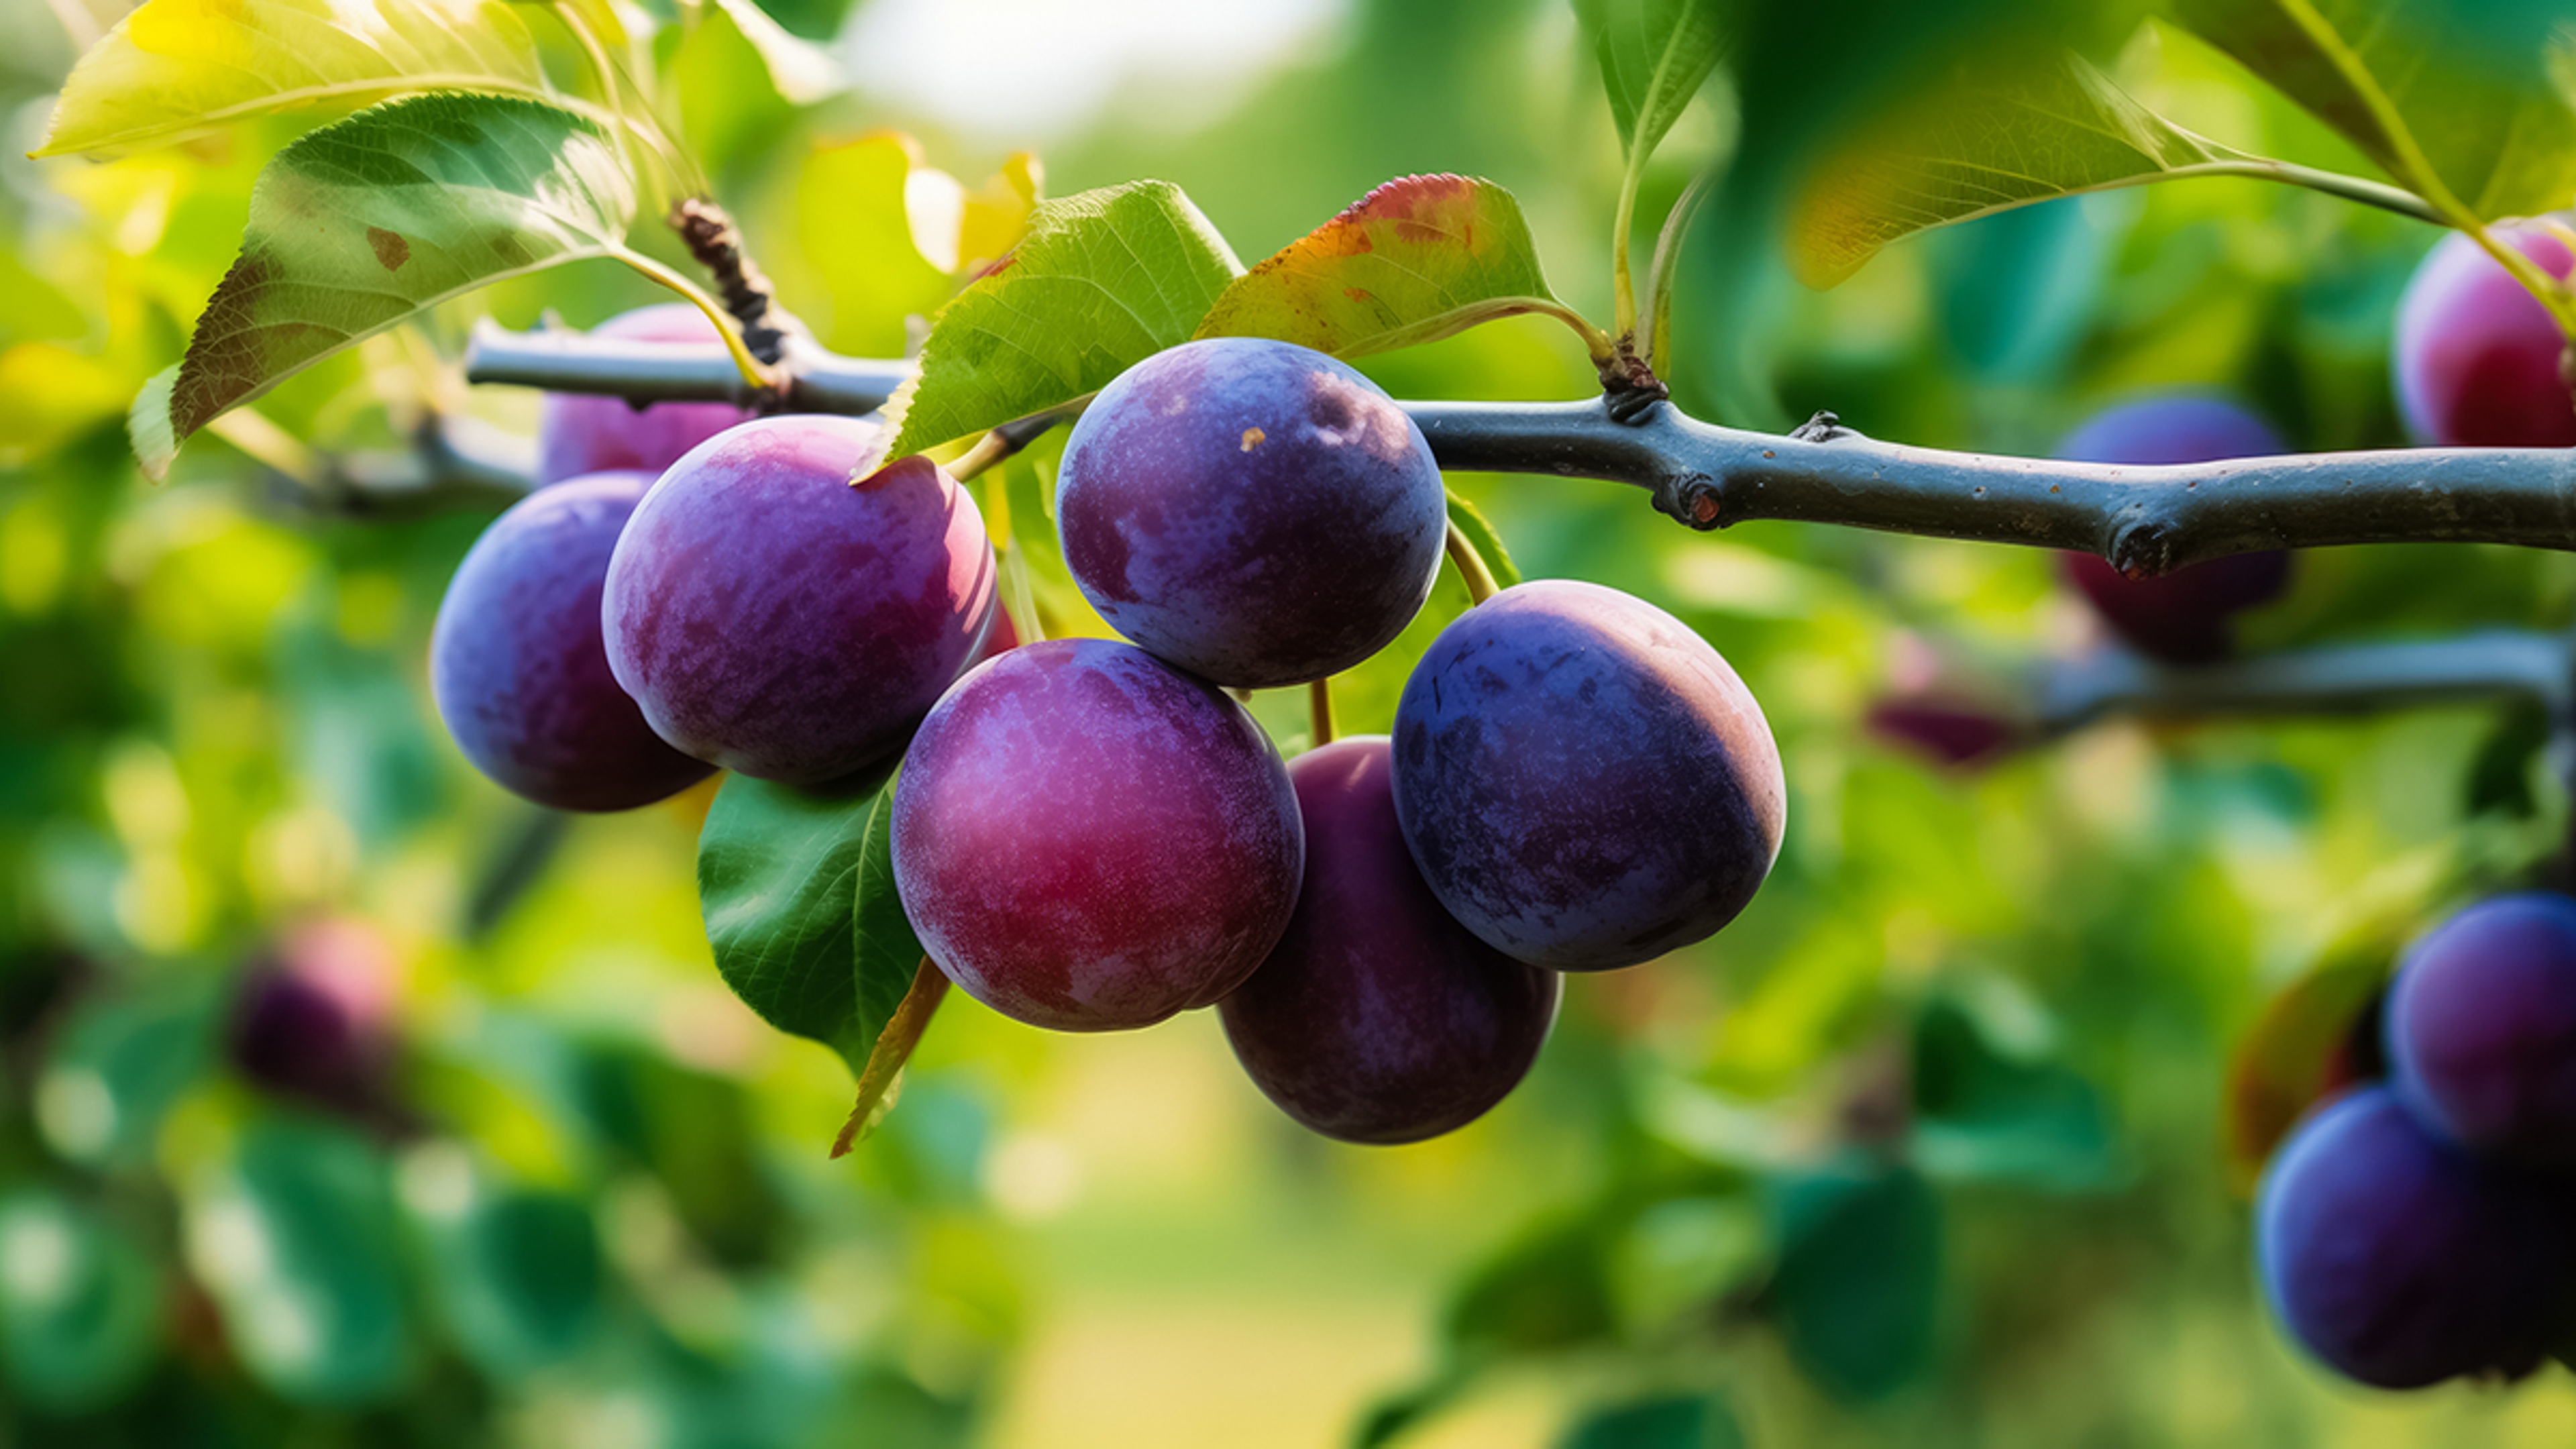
(774,618)
(581,433)
(2181,617)
(2400,1260)
(2481,1029)
(2476,355)
(518,667)
(1252,511)
(1583,781)
(1378,1018)
(1089,840)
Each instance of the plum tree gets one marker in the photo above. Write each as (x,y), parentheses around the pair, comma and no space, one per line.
(1378,1018)
(2399,1259)
(2476,355)
(1584,782)
(1252,511)
(2481,1028)
(581,433)
(774,618)
(312,1016)
(2180,617)
(518,667)
(1087,839)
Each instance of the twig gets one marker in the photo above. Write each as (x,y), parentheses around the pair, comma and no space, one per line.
(2338,679)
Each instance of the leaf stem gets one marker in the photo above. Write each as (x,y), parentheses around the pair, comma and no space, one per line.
(1319,710)
(893,1048)
(753,370)
(2362,189)
(1471,566)
(1623,285)
(1658,345)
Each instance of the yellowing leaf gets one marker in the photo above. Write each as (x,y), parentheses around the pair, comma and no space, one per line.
(1416,260)
(996,214)
(854,204)
(174,68)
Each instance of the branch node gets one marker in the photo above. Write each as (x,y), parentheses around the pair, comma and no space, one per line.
(1824,427)
(2143,550)
(1691,498)
(1629,386)
(711,236)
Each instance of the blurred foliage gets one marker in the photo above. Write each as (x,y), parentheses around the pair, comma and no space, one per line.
(1936,1146)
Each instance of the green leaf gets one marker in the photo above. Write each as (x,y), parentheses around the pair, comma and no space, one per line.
(519,1279)
(1981,1113)
(369,221)
(1857,1288)
(778,869)
(2476,97)
(1654,54)
(1418,259)
(885,949)
(121,1066)
(1103,280)
(853,219)
(297,1242)
(741,80)
(1551,1290)
(2299,1047)
(1996,134)
(1678,1421)
(1471,521)
(80,1303)
(174,68)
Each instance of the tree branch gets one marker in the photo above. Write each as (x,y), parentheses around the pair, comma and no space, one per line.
(2145,521)
(2339,679)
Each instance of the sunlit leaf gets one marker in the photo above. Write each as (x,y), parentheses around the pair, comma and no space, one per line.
(173,68)
(1416,260)
(2478,89)
(1995,134)
(801,71)
(373,219)
(778,870)
(1653,54)
(2299,1050)
(995,215)
(1104,280)
(854,224)
(741,81)
(1471,521)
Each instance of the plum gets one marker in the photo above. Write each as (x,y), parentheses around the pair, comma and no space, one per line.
(1584,782)
(1252,511)
(2476,355)
(1089,840)
(774,618)
(2481,1028)
(581,433)
(312,1017)
(2180,617)
(2399,1259)
(518,668)
(1378,1018)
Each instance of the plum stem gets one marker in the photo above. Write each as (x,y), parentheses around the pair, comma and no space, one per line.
(2145,521)
(1471,565)
(1319,710)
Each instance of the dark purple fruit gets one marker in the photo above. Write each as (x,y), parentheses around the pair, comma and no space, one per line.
(313,1016)
(581,433)
(774,618)
(1378,1018)
(2481,1029)
(2400,1260)
(1089,840)
(1583,781)
(1252,511)
(518,668)
(2477,356)
(2181,617)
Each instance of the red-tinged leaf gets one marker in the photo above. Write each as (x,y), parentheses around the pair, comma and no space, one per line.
(2297,1054)
(1416,260)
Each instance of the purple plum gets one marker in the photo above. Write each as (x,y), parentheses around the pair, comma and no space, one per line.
(1252,511)
(2476,355)
(1378,1018)
(313,1016)
(775,618)
(1584,782)
(2481,1029)
(1089,840)
(582,433)
(518,667)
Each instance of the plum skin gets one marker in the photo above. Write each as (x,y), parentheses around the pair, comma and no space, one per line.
(1252,511)
(1089,840)
(2476,355)
(2401,1261)
(1583,781)
(312,1016)
(2481,1029)
(582,433)
(2180,617)
(519,669)
(773,618)
(1378,1018)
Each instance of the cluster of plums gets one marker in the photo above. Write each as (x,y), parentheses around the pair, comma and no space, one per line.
(2424,1227)
(1091,834)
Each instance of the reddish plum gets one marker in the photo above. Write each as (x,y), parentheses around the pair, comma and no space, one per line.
(774,618)
(1089,840)
(518,668)
(1378,1018)
(1584,782)
(2477,356)
(1252,511)
(582,433)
